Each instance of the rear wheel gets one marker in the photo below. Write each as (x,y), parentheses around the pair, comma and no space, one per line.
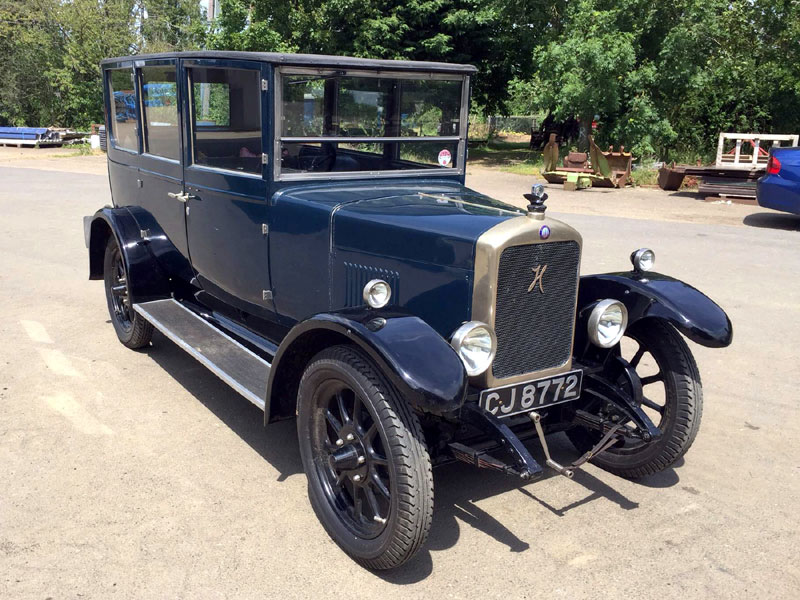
(672,398)
(133,330)
(369,473)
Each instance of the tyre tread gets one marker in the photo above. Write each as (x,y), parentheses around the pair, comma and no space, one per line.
(406,444)
(142,330)
(688,414)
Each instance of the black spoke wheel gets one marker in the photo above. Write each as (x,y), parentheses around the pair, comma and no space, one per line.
(350,458)
(132,329)
(672,397)
(369,474)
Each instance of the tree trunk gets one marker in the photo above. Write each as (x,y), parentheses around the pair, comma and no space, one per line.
(585,132)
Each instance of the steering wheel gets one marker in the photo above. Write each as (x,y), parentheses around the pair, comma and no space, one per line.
(323,161)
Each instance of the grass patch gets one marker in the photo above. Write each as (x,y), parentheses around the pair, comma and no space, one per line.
(78,150)
(645,177)
(525,168)
(511,157)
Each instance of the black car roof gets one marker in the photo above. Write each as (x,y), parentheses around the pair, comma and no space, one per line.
(305,60)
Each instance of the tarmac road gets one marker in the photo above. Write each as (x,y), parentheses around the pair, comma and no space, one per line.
(140,474)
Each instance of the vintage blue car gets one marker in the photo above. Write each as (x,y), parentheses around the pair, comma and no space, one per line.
(299,224)
(779,188)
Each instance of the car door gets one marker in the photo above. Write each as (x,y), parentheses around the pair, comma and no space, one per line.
(224,177)
(160,164)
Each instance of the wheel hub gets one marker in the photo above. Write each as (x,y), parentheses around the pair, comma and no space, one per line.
(350,458)
(120,296)
(352,461)
(346,458)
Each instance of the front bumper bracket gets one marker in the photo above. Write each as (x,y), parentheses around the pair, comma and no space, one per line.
(608,440)
(525,466)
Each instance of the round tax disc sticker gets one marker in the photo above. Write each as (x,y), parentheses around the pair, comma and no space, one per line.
(445,157)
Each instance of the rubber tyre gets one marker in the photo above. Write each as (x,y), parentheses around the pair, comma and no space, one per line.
(683,408)
(134,331)
(411,479)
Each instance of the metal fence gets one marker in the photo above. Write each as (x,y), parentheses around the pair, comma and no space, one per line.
(481,128)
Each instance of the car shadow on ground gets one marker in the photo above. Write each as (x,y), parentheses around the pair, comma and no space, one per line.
(459,487)
(277,444)
(786,222)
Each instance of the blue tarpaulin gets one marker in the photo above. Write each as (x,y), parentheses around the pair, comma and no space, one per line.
(23,133)
(32,136)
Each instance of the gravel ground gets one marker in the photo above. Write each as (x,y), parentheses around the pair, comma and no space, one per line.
(141,475)
(632,203)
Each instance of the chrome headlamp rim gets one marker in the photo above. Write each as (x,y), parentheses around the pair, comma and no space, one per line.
(367,296)
(637,256)
(594,319)
(457,340)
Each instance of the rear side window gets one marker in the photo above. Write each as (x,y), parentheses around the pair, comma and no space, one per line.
(160,105)
(226,118)
(123,109)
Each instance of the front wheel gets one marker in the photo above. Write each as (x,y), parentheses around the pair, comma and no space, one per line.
(672,398)
(369,473)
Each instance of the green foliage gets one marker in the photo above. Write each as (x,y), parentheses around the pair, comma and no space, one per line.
(648,177)
(666,78)
(51,52)
(26,53)
(171,25)
(662,78)
(212,104)
(481,32)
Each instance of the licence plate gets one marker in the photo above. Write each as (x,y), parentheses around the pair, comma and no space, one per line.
(523,397)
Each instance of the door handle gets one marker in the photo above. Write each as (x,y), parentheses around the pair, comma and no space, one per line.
(182,196)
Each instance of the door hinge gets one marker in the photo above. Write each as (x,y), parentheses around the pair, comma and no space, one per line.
(264,158)
(264,85)
(264,228)
(266,294)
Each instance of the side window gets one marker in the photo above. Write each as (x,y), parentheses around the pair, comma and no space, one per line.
(226,118)
(160,100)
(123,109)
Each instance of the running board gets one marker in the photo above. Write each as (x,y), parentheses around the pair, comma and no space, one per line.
(243,370)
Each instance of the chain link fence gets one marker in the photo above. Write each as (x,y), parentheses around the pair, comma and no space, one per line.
(483,128)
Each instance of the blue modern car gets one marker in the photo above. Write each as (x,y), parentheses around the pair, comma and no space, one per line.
(300,225)
(779,188)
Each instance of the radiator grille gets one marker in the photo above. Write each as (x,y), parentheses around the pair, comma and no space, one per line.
(534,329)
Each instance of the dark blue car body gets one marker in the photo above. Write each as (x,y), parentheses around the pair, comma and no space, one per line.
(781,190)
(259,200)
(263,250)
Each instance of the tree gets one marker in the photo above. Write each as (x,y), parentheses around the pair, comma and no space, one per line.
(51,51)
(167,25)
(666,78)
(663,78)
(29,45)
(90,31)
(727,66)
(495,35)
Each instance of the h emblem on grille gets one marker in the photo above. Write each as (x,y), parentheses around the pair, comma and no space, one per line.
(537,279)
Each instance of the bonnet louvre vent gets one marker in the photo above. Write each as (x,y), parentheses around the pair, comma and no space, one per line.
(357,276)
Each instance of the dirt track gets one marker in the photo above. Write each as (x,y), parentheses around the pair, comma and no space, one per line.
(141,475)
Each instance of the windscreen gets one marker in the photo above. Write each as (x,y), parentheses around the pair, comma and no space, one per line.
(342,122)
